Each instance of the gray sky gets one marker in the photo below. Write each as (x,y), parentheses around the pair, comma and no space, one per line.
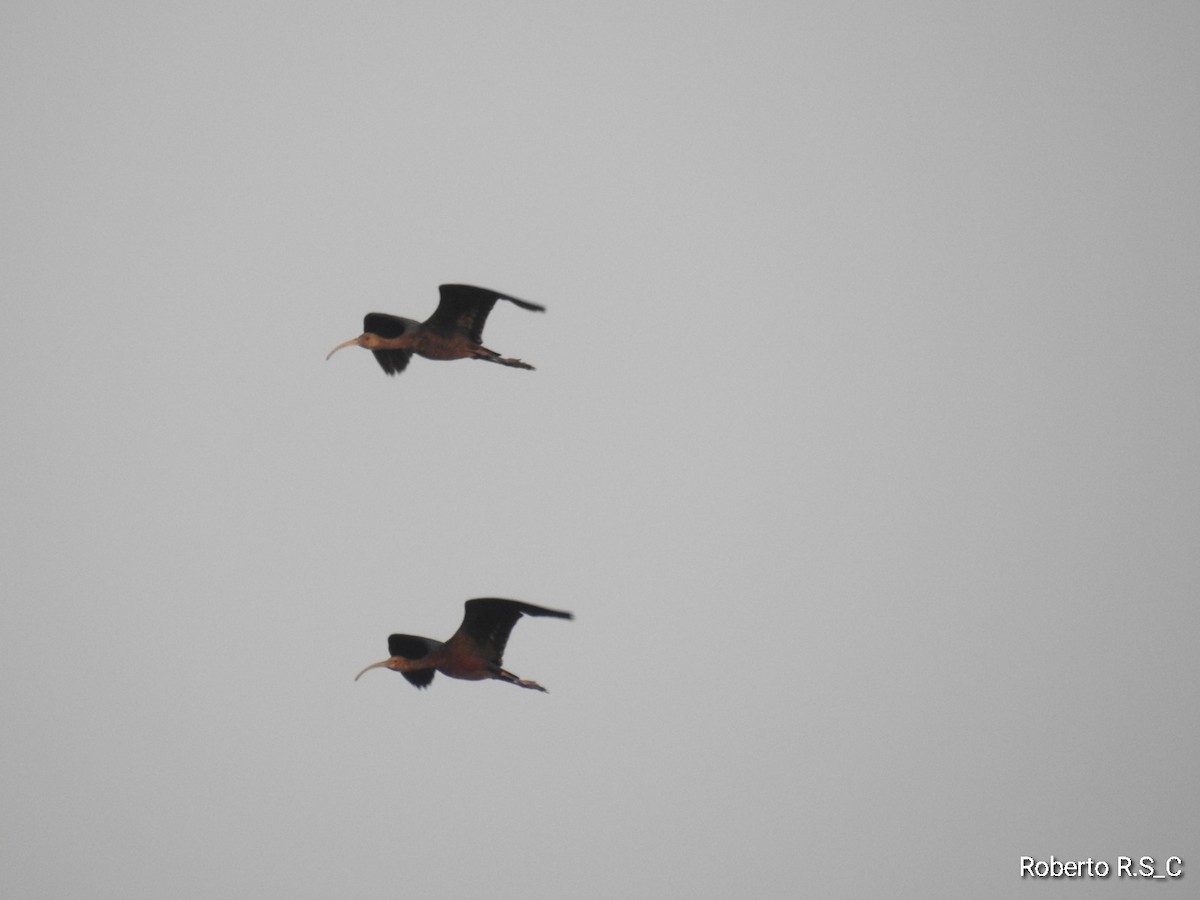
(863,444)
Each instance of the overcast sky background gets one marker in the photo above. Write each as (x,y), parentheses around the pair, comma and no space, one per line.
(863,444)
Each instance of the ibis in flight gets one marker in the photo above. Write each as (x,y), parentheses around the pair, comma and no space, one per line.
(454,331)
(474,651)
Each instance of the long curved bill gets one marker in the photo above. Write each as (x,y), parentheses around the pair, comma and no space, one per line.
(353,342)
(382,664)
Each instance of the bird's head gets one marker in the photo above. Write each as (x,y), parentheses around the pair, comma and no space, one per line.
(384,333)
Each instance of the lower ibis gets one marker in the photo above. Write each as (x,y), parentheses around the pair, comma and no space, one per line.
(474,651)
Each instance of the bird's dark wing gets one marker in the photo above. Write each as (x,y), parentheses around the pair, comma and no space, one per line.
(420,678)
(464,309)
(489,620)
(384,325)
(391,361)
(410,646)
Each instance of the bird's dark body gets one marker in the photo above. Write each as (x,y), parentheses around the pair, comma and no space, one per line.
(475,652)
(454,331)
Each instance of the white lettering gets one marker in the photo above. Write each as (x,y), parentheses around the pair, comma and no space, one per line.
(1063,868)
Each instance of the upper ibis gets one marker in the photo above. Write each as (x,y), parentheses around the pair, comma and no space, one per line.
(454,331)
(474,651)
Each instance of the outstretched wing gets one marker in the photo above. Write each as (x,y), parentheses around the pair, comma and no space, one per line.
(391,361)
(489,621)
(463,309)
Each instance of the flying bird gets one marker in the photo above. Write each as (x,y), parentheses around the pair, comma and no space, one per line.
(454,331)
(474,651)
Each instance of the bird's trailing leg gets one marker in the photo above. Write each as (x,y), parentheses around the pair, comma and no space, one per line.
(492,356)
(505,675)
